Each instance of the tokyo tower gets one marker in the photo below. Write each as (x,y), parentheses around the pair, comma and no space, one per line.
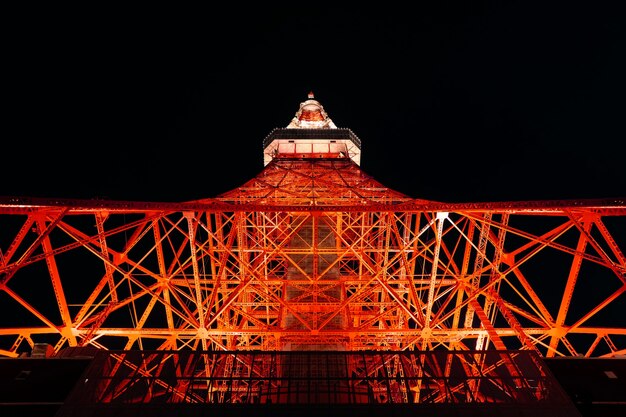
(314,268)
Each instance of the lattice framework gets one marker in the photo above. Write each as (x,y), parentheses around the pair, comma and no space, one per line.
(314,254)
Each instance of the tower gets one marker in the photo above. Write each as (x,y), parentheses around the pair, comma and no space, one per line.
(313,267)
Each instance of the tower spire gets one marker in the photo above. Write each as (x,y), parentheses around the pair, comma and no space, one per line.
(311,115)
(311,134)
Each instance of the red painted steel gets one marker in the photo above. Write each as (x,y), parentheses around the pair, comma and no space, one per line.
(314,254)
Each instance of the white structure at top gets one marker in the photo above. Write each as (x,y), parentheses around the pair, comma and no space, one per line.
(311,115)
(311,134)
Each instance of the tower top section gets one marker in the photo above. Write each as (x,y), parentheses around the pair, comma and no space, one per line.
(311,115)
(311,134)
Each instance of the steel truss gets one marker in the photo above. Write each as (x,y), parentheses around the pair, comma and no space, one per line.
(321,377)
(314,254)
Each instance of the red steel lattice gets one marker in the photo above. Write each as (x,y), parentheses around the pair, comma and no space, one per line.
(314,254)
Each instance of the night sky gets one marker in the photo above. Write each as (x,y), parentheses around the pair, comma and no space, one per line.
(458,102)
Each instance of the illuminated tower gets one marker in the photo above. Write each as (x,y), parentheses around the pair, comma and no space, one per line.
(313,254)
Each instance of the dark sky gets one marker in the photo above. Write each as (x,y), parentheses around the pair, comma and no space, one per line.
(459,102)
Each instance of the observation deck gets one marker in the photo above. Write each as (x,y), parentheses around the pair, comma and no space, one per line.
(311,134)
